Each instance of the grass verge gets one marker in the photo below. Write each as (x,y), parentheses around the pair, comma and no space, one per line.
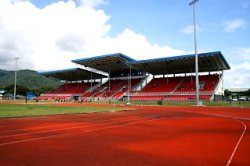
(241,104)
(21,110)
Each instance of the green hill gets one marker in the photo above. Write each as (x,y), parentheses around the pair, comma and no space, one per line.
(27,78)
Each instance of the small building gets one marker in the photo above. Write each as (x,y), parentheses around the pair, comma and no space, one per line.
(239,93)
(1,94)
(30,95)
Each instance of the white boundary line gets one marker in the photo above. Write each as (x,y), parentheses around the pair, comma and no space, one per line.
(237,119)
(224,116)
(50,126)
(121,125)
(75,127)
(55,135)
(26,140)
(238,143)
(84,131)
(131,123)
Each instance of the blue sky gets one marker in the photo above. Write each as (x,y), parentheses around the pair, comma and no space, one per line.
(161,21)
(156,25)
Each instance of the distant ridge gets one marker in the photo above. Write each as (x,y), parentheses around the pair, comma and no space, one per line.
(27,78)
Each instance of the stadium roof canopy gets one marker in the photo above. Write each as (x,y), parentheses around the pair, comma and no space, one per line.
(238,90)
(211,61)
(73,74)
(110,63)
(118,65)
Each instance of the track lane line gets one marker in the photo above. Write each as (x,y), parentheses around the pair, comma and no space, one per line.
(238,142)
(84,131)
(94,125)
(227,116)
(75,127)
(121,125)
(59,125)
(237,119)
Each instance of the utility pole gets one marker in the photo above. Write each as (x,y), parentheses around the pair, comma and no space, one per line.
(16,59)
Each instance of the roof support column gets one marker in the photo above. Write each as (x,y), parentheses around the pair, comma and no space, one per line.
(129,84)
(167,78)
(130,78)
(109,80)
(222,81)
(91,80)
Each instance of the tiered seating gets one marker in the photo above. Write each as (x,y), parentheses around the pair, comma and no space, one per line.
(156,88)
(119,94)
(114,87)
(177,88)
(210,82)
(66,91)
(161,85)
(117,88)
(71,88)
(186,97)
(146,98)
(169,89)
(207,83)
(87,94)
(188,85)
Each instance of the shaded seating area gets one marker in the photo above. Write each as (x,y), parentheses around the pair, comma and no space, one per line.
(166,79)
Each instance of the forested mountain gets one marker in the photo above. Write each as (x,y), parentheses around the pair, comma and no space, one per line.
(27,78)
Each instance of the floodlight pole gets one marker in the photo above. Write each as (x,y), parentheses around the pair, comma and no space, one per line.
(16,59)
(192,3)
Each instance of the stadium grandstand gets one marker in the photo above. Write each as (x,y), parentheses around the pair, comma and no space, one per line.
(119,77)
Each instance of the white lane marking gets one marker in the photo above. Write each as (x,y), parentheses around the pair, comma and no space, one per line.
(84,131)
(49,126)
(120,125)
(26,140)
(238,143)
(241,136)
(226,116)
(75,127)
(32,128)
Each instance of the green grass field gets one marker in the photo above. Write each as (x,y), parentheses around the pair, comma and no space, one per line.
(242,104)
(22,110)
(220,103)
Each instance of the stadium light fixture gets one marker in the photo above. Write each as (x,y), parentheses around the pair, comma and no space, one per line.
(192,3)
(16,59)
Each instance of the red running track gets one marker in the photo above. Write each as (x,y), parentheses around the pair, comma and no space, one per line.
(146,136)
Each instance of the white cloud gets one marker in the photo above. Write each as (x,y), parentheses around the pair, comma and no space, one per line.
(134,45)
(238,76)
(92,3)
(240,54)
(49,38)
(233,25)
(189,29)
